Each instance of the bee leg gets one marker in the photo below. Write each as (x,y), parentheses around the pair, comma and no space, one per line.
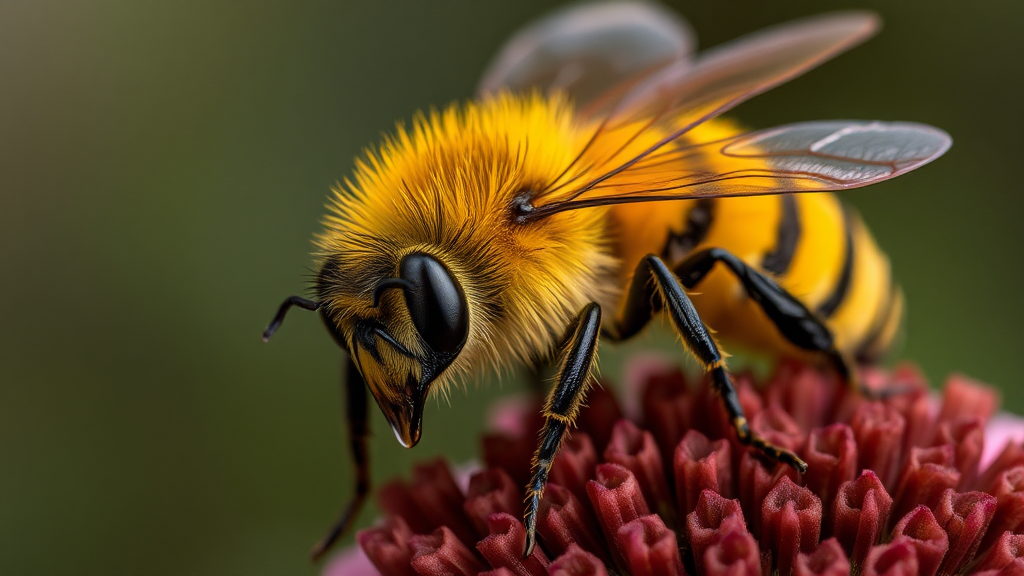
(561,409)
(698,341)
(282,311)
(356,413)
(792,318)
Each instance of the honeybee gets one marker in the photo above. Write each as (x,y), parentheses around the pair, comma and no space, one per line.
(588,188)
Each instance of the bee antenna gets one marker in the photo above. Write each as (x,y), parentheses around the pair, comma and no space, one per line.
(279,317)
(385,285)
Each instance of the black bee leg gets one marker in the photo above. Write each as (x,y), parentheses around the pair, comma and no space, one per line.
(282,311)
(561,409)
(694,333)
(358,430)
(794,320)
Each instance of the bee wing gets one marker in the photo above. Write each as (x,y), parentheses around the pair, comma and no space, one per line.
(587,50)
(802,157)
(815,156)
(728,75)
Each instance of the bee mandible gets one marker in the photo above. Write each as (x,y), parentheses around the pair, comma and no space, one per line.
(588,187)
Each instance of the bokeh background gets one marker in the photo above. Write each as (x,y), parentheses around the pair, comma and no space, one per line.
(163,166)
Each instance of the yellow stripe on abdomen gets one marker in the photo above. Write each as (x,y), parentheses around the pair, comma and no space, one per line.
(818,260)
(868,294)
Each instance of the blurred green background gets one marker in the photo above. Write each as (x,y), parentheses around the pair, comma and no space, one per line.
(163,166)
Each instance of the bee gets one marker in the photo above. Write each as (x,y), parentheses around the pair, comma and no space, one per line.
(589,188)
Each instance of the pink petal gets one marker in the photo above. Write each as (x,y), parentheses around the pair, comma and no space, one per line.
(828,560)
(859,515)
(831,456)
(388,547)
(1009,492)
(806,394)
(396,500)
(564,521)
(617,499)
(513,454)
(963,397)
(436,494)
(490,492)
(735,554)
(350,562)
(895,559)
(926,475)
(713,518)
(1003,428)
(965,517)
(966,435)
(756,481)
(577,562)
(575,463)
(1008,549)
(919,410)
(779,428)
(650,548)
(441,553)
(498,572)
(503,548)
(790,524)
(875,427)
(920,530)
(667,409)
(700,465)
(636,450)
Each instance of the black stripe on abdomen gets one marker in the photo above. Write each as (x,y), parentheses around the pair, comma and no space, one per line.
(829,306)
(695,229)
(787,236)
(884,312)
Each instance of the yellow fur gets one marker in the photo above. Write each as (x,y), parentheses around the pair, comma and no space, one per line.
(446,186)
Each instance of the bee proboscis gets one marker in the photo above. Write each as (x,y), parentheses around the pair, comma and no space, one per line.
(588,188)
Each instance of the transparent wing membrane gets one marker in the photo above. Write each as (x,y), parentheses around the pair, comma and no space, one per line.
(587,50)
(803,157)
(629,68)
(725,76)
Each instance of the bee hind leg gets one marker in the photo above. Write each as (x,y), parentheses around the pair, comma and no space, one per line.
(652,277)
(357,403)
(797,323)
(560,410)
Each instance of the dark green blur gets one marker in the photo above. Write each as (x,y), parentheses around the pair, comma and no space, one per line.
(163,167)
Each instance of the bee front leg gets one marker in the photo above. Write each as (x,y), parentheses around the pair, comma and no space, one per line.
(356,407)
(653,277)
(561,409)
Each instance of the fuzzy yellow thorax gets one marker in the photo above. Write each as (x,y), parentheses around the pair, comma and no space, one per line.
(447,186)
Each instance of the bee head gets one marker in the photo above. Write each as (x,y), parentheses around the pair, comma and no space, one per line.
(399,375)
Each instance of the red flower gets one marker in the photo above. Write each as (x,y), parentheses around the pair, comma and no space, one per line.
(911,485)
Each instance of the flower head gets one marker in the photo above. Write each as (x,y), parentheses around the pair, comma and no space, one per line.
(909,485)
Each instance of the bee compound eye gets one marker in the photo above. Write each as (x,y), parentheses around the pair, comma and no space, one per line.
(436,302)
